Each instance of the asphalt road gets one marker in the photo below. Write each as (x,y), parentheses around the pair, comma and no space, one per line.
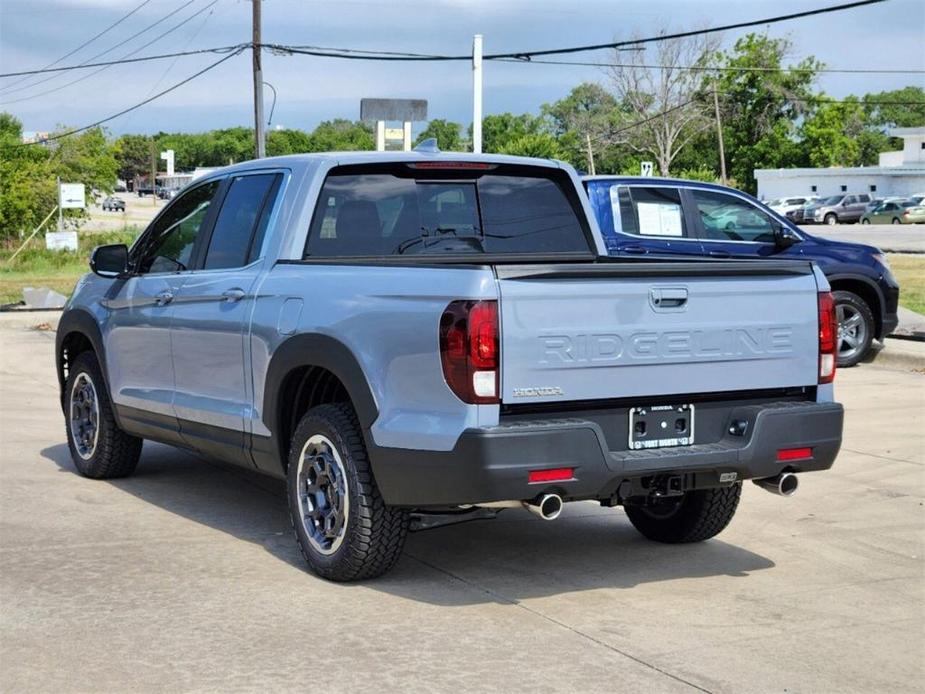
(185,577)
(901,238)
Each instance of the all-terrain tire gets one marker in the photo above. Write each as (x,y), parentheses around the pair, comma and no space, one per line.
(857,304)
(698,516)
(115,453)
(374,533)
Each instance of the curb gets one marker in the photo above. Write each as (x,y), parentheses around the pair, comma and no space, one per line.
(906,355)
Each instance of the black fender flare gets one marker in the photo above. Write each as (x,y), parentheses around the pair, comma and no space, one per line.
(315,349)
(80,321)
(870,284)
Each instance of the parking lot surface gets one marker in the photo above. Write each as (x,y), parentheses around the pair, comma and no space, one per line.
(905,238)
(185,577)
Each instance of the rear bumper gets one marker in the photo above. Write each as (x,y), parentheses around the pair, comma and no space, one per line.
(492,463)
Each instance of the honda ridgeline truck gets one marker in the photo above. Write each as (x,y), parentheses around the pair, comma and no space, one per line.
(414,338)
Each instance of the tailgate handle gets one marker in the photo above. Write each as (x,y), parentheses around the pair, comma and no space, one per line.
(664,298)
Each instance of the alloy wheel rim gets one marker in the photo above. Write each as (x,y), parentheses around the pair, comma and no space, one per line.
(84,416)
(852,331)
(324,502)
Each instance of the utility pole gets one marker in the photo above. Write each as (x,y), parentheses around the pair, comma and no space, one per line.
(477,93)
(719,132)
(590,154)
(153,173)
(260,141)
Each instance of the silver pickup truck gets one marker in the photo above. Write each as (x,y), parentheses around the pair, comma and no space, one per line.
(412,339)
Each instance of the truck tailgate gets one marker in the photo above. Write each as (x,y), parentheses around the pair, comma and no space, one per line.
(617,330)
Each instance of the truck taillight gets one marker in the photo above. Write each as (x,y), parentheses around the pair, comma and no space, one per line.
(828,337)
(469,350)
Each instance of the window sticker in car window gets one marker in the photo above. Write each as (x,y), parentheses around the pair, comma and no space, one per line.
(659,219)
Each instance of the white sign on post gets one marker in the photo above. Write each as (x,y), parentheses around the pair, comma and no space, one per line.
(61,240)
(168,156)
(646,167)
(71,196)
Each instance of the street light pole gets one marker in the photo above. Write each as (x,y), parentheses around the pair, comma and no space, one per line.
(259,138)
(477,93)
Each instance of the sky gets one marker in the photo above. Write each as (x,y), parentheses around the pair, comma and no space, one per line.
(34,33)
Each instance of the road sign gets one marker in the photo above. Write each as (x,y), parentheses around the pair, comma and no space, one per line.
(168,156)
(646,168)
(71,196)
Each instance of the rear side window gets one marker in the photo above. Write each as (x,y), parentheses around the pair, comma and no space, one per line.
(642,211)
(242,221)
(398,210)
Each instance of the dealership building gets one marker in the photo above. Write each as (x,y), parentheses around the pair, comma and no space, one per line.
(899,173)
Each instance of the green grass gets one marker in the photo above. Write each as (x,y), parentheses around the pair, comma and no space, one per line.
(58,270)
(910,271)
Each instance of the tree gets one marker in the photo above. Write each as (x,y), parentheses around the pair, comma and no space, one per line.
(830,135)
(27,182)
(907,109)
(133,155)
(341,134)
(583,121)
(761,106)
(663,97)
(499,130)
(447,133)
(288,141)
(541,145)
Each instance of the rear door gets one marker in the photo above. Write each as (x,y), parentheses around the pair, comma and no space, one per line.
(212,398)
(643,220)
(589,332)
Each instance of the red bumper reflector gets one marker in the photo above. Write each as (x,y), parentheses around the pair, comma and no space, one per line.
(794,453)
(558,474)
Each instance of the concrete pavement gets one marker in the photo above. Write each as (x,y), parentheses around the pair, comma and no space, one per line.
(184,577)
(902,238)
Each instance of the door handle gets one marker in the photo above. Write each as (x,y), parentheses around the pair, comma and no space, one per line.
(719,254)
(663,298)
(636,250)
(232,295)
(163,298)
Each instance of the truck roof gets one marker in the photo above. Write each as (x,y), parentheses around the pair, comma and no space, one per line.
(367,157)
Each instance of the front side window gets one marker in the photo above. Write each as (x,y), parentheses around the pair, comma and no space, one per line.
(384,211)
(728,218)
(168,247)
(241,222)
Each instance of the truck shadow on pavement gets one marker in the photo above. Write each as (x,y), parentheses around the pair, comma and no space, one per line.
(511,558)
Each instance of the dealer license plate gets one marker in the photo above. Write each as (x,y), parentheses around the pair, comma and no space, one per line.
(661,426)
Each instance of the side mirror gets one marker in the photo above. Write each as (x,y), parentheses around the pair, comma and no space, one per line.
(110,261)
(785,237)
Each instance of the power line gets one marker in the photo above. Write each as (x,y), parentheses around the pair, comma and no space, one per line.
(91,39)
(108,50)
(698,68)
(127,55)
(179,84)
(142,59)
(357,54)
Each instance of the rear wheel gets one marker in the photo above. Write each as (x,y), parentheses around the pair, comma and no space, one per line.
(694,517)
(865,221)
(896,220)
(855,327)
(343,527)
(99,448)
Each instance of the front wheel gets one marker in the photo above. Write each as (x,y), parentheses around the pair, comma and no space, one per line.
(831,219)
(99,448)
(865,221)
(694,517)
(343,527)
(896,220)
(856,328)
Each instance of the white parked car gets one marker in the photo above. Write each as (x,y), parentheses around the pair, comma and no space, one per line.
(785,205)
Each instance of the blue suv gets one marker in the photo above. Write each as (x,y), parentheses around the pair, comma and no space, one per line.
(661,217)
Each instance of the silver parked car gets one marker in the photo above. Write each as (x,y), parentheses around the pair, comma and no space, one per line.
(837,209)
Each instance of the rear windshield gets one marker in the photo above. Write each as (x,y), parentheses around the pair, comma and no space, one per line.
(391,210)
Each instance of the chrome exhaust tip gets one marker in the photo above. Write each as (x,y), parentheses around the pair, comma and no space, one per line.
(548,507)
(784,484)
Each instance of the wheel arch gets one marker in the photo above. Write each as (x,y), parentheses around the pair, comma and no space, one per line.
(867,290)
(78,332)
(308,370)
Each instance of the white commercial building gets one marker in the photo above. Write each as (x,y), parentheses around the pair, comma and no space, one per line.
(899,173)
